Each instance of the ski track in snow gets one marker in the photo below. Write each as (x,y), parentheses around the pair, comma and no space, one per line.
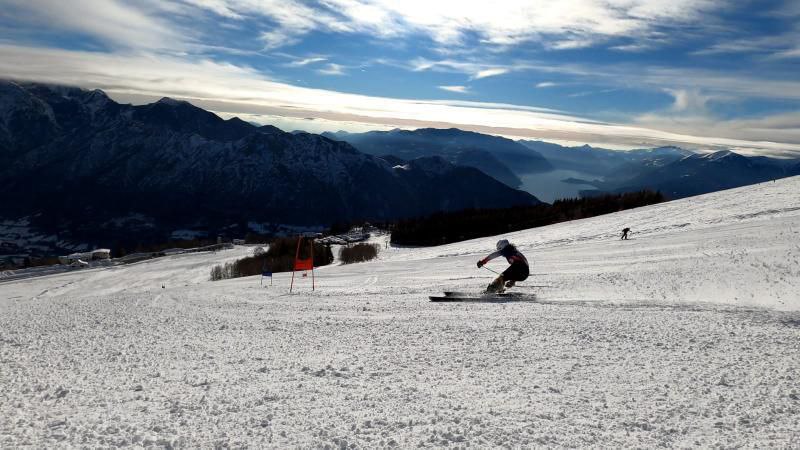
(686,335)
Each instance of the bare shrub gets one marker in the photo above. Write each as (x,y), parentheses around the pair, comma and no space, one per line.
(223,272)
(358,253)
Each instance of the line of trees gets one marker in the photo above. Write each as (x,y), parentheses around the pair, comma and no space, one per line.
(444,228)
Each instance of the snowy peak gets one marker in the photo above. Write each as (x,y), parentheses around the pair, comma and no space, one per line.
(183,117)
(268,129)
(25,121)
(14,97)
(668,149)
(172,102)
(718,155)
(96,100)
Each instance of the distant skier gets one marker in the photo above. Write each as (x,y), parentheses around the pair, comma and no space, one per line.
(517,271)
(625,232)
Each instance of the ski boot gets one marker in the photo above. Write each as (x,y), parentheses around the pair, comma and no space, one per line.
(496,287)
(510,284)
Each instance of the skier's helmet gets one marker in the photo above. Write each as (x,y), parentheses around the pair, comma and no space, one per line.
(501,244)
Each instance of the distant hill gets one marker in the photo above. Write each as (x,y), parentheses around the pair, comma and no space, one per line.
(676,172)
(503,159)
(699,174)
(600,161)
(81,169)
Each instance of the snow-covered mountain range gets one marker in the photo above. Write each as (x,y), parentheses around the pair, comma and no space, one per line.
(502,158)
(699,174)
(76,163)
(601,161)
(79,169)
(674,171)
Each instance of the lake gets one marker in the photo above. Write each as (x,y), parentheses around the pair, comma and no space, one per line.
(548,186)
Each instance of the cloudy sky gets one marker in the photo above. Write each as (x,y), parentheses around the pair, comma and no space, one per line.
(704,74)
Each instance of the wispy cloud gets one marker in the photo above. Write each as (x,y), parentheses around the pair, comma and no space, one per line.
(567,25)
(458,89)
(112,22)
(787,9)
(792,53)
(573,43)
(492,72)
(723,83)
(278,38)
(476,71)
(454,25)
(692,101)
(241,90)
(634,47)
(546,84)
(771,134)
(588,93)
(306,61)
(332,69)
(742,84)
(762,44)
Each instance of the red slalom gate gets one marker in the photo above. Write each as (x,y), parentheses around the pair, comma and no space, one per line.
(304,264)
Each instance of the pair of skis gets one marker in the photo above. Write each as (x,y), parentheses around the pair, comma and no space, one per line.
(488,297)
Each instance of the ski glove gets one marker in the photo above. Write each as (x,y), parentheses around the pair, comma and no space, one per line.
(481,263)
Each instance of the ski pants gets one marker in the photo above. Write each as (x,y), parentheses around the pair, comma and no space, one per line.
(516,272)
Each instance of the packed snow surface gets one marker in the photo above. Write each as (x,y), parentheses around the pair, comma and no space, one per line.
(686,335)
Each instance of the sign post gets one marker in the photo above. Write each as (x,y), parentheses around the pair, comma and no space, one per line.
(266,272)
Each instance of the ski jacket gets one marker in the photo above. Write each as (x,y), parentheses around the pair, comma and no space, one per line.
(512,255)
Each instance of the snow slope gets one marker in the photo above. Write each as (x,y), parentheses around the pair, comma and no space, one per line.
(686,335)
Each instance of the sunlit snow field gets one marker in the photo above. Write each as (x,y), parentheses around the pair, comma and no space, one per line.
(686,335)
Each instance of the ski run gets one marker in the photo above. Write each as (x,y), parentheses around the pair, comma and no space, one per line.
(686,335)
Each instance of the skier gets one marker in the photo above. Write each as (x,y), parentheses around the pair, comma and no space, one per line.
(625,232)
(517,271)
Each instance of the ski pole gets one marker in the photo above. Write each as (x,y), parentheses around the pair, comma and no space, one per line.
(490,270)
